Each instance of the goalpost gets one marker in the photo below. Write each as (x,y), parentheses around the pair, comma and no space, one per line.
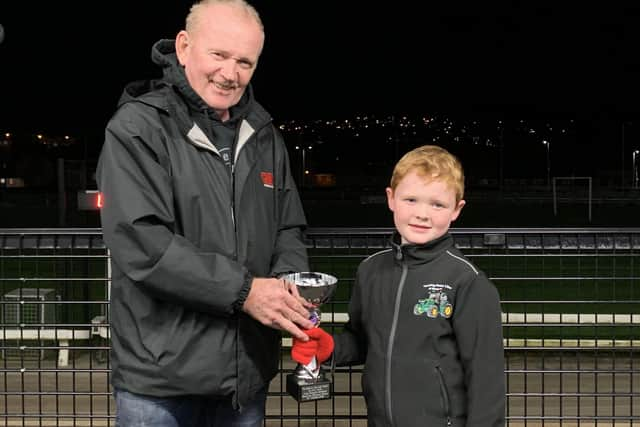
(573,180)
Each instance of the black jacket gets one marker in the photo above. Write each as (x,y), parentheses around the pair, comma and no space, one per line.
(187,236)
(426,323)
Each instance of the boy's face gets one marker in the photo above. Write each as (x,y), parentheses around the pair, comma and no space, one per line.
(422,209)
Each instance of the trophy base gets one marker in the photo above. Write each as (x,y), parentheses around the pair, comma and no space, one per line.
(305,390)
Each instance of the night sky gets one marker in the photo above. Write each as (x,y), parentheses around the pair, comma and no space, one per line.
(63,64)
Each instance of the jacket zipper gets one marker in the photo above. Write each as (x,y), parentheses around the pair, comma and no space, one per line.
(234,156)
(392,335)
(445,395)
(232,153)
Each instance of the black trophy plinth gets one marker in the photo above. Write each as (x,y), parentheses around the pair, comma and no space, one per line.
(309,389)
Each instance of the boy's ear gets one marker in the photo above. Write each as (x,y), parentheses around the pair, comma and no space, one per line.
(458,209)
(390,201)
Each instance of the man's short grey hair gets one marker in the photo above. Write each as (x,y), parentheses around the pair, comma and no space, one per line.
(192,17)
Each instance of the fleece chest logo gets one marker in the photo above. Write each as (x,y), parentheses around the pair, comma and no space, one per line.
(267,179)
(436,303)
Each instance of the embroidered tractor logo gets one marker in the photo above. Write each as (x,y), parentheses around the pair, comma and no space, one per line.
(436,304)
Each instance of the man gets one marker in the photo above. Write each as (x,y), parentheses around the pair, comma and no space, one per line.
(201,216)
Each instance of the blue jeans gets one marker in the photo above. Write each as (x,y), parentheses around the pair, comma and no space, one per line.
(135,410)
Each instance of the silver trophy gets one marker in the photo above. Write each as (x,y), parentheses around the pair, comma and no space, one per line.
(309,382)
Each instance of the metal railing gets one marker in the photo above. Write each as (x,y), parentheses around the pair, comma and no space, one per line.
(570,301)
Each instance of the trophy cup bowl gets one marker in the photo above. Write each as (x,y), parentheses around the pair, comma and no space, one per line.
(309,382)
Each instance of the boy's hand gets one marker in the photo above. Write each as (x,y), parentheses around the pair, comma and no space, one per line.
(303,351)
(325,343)
(320,345)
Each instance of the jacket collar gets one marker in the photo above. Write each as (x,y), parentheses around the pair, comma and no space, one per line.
(420,254)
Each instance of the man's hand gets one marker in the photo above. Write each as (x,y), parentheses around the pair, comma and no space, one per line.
(276,303)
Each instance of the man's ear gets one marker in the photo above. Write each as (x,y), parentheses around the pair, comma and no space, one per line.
(182,43)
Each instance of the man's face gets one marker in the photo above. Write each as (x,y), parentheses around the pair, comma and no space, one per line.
(423,209)
(220,55)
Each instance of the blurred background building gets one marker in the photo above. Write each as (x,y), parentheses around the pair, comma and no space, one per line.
(519,172)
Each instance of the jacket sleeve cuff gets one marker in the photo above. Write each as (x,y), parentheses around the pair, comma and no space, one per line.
(330,363)
(244,292)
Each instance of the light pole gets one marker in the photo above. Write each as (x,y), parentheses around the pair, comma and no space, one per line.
(622,162)
(303,162)
(634,169)
(547,144)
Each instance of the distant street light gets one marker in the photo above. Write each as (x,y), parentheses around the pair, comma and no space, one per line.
(303,163)
(547,144)
(634,169)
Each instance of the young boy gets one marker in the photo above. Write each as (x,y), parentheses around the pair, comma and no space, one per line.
(423,319)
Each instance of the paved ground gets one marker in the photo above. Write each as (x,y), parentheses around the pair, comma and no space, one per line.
(561,386)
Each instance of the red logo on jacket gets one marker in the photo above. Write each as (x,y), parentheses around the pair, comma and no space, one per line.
(267,179)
